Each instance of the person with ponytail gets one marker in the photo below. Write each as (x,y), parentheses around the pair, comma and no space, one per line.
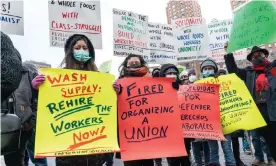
(260,79)
(79,55)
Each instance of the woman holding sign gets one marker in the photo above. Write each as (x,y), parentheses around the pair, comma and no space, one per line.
(260,80)
(79,55)
(133,66)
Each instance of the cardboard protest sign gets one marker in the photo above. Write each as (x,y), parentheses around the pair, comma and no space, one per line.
(237,108)
(149,123)
(254,24)
(74,17)
(219,32)
(200,117)
(74,117)
(161,40)
(130,33)
(191,39)
(12,17)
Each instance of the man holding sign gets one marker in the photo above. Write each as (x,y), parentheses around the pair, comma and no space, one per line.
(261,83)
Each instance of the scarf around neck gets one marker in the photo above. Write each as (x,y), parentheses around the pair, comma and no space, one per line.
(137,72)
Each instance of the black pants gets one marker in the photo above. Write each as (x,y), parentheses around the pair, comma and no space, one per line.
(148,162)
(18,158)
(236,148)
(182,161)
(269,134)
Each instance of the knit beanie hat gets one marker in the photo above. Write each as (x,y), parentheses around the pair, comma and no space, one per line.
(208,62)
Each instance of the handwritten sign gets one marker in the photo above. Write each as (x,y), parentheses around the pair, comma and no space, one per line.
(191,39)
(74,117)
(130,32)
(70,17)
(149,123)
(254,24)
(237,108)
(219,32)
(161,39)
(12,17)
(200,117)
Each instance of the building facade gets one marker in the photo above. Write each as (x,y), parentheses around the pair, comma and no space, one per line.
(40,65)
(182,9)
(236,3)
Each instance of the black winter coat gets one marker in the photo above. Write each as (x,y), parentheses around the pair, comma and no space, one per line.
(248,75)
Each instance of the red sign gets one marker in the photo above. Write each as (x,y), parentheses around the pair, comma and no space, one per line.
(149,123)
(200,111)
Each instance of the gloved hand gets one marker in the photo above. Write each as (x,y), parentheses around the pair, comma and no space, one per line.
(175,85)
(117,87)
(37,81)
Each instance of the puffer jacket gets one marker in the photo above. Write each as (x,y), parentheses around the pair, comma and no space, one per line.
(248,75)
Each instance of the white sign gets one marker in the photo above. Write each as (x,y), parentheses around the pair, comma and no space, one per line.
(75,17)
(219,32)
(161,44)
(130,33)
(191,39)
(12,17)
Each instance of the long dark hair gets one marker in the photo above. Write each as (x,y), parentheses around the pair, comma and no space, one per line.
(123,67)
(70,62)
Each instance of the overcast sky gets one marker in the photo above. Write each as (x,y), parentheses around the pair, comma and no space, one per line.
(34,45)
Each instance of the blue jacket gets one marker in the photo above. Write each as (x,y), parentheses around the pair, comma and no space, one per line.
(248,75)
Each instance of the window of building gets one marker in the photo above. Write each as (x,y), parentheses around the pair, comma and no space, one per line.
(173,6)
(262,46)
(274,44)
(269,45)
(174,17)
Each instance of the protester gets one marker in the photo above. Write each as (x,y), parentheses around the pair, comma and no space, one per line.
(260,146)
(31,141)
(11,67)
(201,151)
(236,146)
(261,83)
(221,72)
(209,68)
(25,107)
(184,77)
(133,66)
(155,72)
(192,76)
(79,55)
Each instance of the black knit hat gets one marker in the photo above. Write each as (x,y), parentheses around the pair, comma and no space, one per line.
(165,67)
(257,49)
(79,36)
(208,62)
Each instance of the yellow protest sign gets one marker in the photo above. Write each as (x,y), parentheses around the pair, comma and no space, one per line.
(238,110)
(77,114)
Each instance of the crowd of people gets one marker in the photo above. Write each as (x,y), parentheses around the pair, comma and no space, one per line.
(19,94)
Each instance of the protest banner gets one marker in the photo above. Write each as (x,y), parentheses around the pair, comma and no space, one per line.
(237,107)
(74,17)
(191,39)
(200,117)
(12,17)
(149,123)
(74,117)
(161,40)
(105,67)
(130,33)
(219,32)
(254,24)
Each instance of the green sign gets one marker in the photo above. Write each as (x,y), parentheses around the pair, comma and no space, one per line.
(254,24)
(105,67)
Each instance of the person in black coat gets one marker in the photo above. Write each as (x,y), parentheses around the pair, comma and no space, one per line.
(260,79)
(11,67)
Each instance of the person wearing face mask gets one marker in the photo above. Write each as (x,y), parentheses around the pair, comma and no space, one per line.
(155,72)
(171,71)
(260,80)
(79,55)
(184,77)
(192,76)
(209,69)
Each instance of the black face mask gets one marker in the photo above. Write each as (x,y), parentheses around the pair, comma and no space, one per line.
(134,66)
(258,60)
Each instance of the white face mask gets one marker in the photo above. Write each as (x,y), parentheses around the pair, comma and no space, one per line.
(192,78)
(171,76)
